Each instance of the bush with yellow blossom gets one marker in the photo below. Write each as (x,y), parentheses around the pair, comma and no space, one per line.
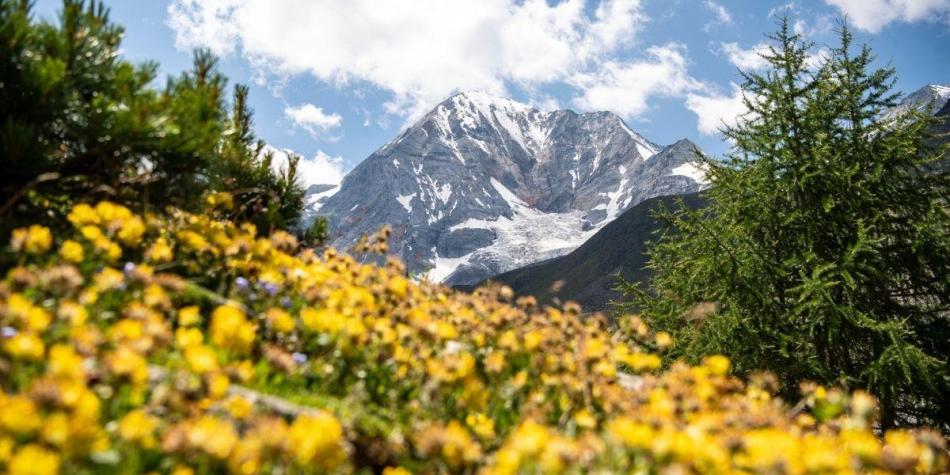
(189,345)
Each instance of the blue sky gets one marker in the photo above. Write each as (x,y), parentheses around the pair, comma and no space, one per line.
(335,80)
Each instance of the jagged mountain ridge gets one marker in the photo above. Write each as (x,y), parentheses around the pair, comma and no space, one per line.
(483,184)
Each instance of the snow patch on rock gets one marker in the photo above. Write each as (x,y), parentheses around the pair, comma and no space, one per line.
(692,171)
(406,201)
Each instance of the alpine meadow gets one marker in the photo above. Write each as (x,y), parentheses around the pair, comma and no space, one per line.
(503,285)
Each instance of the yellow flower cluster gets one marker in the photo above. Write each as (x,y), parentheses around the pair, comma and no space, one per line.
(101,227)
(211,349)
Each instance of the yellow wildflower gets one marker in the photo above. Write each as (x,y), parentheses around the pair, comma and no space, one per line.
(218,385)
(109,278)
(212,435)
(529,438)
(111,212)
(33,459)
(231,330)
(638,361)
(495,362)
(132,230)
(64,362)
(83,214)
(56,430)
(481,425)
(32,317)
(159,251)
(6,449)
(532,340)
(508,340)
(663,340)
(138,427)
(717,364)
(243,370)
(33,240)
(126,362)
(766,449)
(188,336)
(188,316)
(73,312)
(110,250)
(201,359)
(239,407)
(193,240)
(321,320)
(84,404)
(25,346)
(280,320)
(153,295)
(633,434)
(316,439)
(92,233)
(585,419)
(18,415)
(458,447)
(182,470)
(398,286)
(221,199)
(901,450)
(71,251)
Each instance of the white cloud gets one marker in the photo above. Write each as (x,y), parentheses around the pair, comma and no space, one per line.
(817,25)
(873,15)
(746,59)
(722,14)
(716,110)
(312,119)
(815,59)
(544,103)
(204,23)
(784,9)
(751,59)
(420,51)
(625,87)
(321,169)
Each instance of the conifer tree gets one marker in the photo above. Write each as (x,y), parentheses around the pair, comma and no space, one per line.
(80,123)
(824,252)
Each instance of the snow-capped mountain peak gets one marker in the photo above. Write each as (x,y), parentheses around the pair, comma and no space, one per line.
(932,97)
(482,100)
(474,111)
(483,184)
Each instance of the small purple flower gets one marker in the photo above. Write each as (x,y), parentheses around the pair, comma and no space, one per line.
(8,332)
(299,357)
(242,283)
(128,268)
(270,287)
(286,302)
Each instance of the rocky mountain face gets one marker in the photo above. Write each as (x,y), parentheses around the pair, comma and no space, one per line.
(481,185)
(932,97)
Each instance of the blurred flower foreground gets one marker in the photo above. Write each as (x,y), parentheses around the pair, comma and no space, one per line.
(191,345)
